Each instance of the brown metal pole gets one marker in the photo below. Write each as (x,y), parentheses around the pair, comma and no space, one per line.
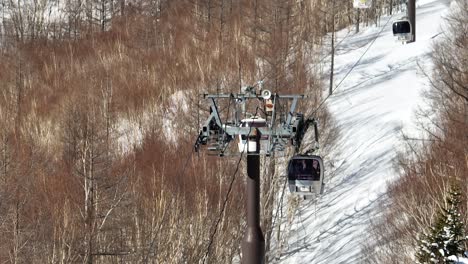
(412,17)
(358,14)
(253,245)
(332,65)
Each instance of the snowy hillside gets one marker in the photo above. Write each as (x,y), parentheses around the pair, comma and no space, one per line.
(372,105)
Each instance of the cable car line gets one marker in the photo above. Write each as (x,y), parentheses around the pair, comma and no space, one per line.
(270,72)
(280,202)
(223,208)
(338,85)
(320,60)
(294,61)
(351,69)
(306,171)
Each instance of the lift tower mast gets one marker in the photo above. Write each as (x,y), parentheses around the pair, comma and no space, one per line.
(256,136)
(412,18)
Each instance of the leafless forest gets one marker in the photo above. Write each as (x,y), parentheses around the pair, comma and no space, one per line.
(90,88)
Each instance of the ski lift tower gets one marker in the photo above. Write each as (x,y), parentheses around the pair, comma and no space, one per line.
(278,127)
(412,18)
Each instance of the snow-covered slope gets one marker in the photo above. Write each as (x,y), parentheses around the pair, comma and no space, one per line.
(371,105)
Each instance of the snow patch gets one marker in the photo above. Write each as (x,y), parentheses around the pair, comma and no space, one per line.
(178,107)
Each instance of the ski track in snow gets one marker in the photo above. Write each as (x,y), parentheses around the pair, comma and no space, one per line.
(372,106)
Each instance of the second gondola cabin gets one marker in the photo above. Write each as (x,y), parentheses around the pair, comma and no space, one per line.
(402,29)
(305,174)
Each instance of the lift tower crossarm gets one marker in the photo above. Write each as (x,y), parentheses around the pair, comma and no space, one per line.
(276,96)
(248,95)
(214,129)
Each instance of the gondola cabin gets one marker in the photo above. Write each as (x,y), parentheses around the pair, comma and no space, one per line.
(245,145)
(362,3)
(402,30)
(305,174)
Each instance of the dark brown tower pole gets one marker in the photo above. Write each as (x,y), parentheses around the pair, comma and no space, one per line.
(332,64)
(412,17)
(253,245)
